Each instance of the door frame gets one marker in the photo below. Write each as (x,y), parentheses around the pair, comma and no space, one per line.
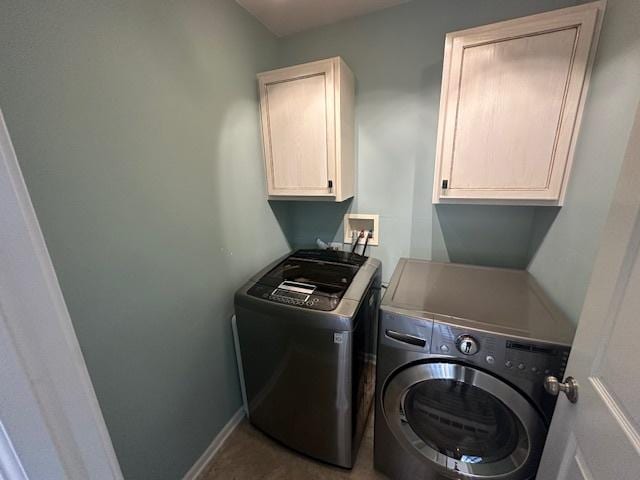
(50,419)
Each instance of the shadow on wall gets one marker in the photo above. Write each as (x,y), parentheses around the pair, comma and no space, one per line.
(304,221)
(542,222)
(491,235)
(282,212)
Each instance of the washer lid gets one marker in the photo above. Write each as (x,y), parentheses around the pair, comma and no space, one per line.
(497,300)
(329,272)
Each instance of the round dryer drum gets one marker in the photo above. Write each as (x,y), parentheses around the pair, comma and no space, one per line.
(467,423)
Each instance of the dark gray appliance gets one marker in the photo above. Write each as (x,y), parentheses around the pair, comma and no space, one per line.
(306,329)
(462,356)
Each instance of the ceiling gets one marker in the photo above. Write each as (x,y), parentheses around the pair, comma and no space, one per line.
(284,17)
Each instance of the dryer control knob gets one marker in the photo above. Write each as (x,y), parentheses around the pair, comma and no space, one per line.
(467,344)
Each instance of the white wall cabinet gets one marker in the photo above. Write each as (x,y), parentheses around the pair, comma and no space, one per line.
(510,108)
(307,114)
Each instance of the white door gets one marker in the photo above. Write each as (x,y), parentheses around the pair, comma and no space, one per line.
(598,437)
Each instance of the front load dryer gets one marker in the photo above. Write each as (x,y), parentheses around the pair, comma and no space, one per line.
(306,329)
(462,356)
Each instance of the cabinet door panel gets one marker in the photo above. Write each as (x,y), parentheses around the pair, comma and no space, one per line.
(298,112)
(510,103)
(297,119)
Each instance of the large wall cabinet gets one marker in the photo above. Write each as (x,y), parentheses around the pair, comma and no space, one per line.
(307,114)
(512,97)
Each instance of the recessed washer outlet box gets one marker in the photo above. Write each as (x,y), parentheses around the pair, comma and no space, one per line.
(361,221)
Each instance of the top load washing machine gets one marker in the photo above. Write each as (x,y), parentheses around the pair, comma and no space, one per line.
(462,356)
(306,329)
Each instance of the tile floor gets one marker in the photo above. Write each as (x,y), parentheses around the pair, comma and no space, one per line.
(249,454)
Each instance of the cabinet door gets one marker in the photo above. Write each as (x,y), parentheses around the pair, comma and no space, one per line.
(298,127)
(512,96)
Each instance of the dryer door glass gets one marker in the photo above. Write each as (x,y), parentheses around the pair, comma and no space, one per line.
(464,421)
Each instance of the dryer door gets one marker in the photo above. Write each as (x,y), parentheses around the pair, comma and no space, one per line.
(464,421)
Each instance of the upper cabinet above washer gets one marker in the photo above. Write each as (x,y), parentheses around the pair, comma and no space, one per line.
(307,114)
(510,108)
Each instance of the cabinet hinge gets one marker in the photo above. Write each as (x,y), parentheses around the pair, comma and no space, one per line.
(445,183)
(330,184)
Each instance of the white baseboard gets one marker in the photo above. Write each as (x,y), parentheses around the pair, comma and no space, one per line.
(215,445)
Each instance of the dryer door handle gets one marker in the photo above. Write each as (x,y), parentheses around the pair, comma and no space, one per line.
(406,338)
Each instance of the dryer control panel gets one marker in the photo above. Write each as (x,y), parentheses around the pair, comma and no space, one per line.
(535,359)
(504,355)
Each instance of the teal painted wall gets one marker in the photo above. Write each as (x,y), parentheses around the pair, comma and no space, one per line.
(136,127)
(396,56)
(567,244)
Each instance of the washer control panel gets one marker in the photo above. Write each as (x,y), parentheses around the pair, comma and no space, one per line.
(309,300)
